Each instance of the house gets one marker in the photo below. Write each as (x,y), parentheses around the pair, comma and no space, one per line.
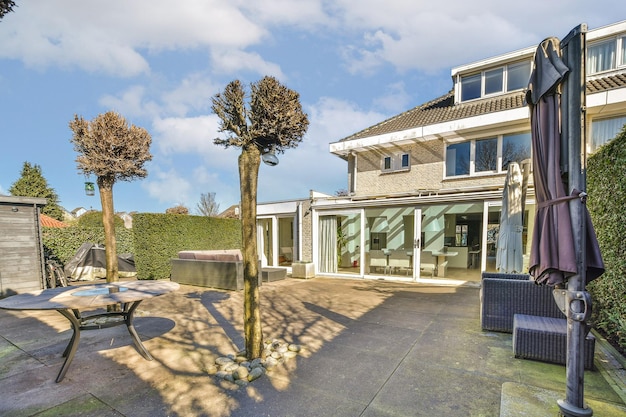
(231,212)
(284,231)
(425,186)
(78,211)
(47,221)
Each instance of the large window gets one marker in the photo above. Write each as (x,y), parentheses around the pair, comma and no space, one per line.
(515,148)
(606,55)
(495,81)
(517,76)
(458,159)
(470,87)
(486,155)
(604,130)
(489,155)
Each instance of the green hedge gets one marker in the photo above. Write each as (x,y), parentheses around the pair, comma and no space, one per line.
(606,185)
(153,240)
(159,237)
(64,242)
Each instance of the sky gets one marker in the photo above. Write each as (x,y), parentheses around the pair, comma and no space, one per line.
(158,63)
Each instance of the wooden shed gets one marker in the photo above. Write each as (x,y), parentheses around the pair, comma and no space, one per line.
(21,249)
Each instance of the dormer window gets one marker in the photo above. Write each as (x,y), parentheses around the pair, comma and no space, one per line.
(606,55)
(494,81)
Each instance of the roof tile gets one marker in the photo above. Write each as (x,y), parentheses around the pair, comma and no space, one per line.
(443,109)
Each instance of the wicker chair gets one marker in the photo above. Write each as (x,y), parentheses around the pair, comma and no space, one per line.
(504,295)
(512,303)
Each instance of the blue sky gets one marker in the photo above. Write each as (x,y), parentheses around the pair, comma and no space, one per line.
(158,63)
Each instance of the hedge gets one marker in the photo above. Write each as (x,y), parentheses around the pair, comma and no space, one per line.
(154,239)
(159,237)
(606,186)
(62,243)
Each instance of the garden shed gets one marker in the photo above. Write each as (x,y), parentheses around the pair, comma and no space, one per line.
(21,249)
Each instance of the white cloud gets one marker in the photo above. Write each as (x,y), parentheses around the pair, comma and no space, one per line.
(207,180)
(228,61)
(395,100)
(333,119)
(186,135)
(288,12)
(428,36)
(193,93)
(119,37)
(132,102)
(110,36)
(330,120)
(168,187)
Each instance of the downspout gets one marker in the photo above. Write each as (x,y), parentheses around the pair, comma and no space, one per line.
(352,186)
(299,237)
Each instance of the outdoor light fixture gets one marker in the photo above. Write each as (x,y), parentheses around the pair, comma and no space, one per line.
(90,188)
(269,157)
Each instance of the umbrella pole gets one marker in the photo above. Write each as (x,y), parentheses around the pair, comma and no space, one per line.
(577,300)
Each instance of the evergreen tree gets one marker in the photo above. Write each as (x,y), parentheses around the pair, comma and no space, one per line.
(33,184)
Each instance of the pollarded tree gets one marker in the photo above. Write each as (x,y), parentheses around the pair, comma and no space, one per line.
(113,151)
(272,121)
(33,184)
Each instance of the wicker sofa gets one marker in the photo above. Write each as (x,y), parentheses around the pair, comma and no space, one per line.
(512,303)
(209,268)
(504,295)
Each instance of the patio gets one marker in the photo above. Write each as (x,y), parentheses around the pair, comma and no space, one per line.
(372,348)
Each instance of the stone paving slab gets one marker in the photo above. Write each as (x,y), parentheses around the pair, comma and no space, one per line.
(371,348)
(520,400)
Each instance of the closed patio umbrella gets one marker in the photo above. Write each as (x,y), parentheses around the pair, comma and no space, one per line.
(553,256)
(564,250)
(509,255)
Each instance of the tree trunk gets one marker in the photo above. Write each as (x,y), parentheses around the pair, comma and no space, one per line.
(249,162)
(105,186)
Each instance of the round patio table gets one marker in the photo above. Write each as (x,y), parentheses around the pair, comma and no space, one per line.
(69,301)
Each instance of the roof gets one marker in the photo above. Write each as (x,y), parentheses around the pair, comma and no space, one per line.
(231,212)
(443,109)
(47,221)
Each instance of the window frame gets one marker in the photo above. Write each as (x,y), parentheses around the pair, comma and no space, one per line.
(472,155)
(592,142)
(483,76)
(619,43)
(396,163)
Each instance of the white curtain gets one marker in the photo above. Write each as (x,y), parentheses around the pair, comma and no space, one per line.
(601,57)
(603,131)
(260,239)
(328,244)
